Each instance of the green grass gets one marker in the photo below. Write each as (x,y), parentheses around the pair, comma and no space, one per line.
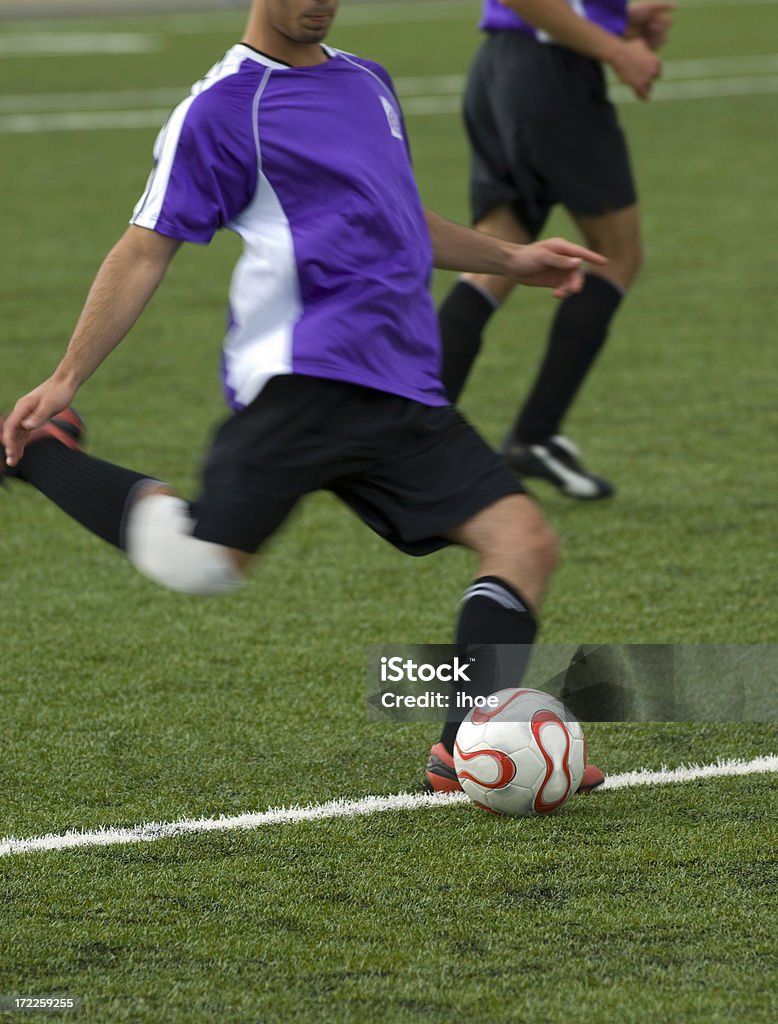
(122,704)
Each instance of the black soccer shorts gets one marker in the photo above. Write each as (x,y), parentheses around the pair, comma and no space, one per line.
(542,131)
(410,472)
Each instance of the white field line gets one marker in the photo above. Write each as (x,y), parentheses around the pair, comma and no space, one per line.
(87,121)
(354,808)
(747,75)
(357,14)
(414,106)
(726,3)
(353,15)
(71,44)
(115,99)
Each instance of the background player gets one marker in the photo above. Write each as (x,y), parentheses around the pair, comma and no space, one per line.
(542,131)
(331,361)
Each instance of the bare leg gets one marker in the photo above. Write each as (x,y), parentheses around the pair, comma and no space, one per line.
(502,223)
(513,542)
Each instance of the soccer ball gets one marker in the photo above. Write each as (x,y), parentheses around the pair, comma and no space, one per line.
(521,755)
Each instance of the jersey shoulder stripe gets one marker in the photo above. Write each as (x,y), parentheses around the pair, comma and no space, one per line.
(167,146)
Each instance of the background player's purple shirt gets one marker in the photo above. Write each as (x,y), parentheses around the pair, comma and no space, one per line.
(310,167)
(608,14)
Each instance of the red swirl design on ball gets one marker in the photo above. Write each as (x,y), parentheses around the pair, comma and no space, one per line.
(539,719)
(507,769)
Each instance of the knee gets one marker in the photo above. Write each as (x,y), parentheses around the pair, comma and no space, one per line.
(635,258)
(527,542)
(625,262)
(160,545)
(541,546)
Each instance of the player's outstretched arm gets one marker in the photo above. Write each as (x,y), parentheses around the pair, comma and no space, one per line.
(553,263)
(121,290)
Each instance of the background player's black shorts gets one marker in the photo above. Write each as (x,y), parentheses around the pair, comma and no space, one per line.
(411,472)
(542,131)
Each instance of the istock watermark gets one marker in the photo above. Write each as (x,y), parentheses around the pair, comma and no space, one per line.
(596,682)
(399,670)
(421,683)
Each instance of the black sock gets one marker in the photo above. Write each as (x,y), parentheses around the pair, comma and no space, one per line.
(578,332)
(93,492)
(463,315)
(492,613)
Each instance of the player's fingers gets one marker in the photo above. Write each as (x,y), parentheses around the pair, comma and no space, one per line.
(37,416)
(15,430)
(569,287)
(561,261)
(572,249)
(20,412)
(14,439)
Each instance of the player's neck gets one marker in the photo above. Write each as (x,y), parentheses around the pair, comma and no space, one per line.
(279,47)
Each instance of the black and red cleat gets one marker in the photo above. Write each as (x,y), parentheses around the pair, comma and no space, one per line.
(441,776)
(67,427)
(591,779)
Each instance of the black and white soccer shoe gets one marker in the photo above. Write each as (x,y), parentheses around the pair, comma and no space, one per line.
(558,461)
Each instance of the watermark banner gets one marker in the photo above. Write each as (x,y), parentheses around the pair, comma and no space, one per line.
(597,682)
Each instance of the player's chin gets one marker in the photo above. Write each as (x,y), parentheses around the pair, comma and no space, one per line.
(310,35)
(313,29)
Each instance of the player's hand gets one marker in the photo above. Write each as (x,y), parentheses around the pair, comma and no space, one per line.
(553,263)
(637,66)
(650,22)
(32,411)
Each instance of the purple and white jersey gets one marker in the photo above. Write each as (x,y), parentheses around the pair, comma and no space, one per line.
(608,14)
(310,167)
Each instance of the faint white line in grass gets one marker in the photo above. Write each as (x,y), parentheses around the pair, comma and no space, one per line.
(419,10)
(423,95)
(384,14)
(700,67)
(414,106)
(726,3)
(359,14)
(702,89)
(696,67)
(46,102)
(355,808)
(353,15)
(78,121)
(70,44)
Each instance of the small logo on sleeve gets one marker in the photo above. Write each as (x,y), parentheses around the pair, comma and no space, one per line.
(392,117)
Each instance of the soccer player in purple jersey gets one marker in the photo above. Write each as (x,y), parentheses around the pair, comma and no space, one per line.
(331,359)
(542,132)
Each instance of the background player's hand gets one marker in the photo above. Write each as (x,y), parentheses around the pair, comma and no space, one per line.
(31,411)
(636,65)
(553,263)
(650,22)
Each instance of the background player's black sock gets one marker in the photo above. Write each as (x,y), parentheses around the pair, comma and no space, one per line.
(93,492)
(492,613)
(463,315)
(578,332)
